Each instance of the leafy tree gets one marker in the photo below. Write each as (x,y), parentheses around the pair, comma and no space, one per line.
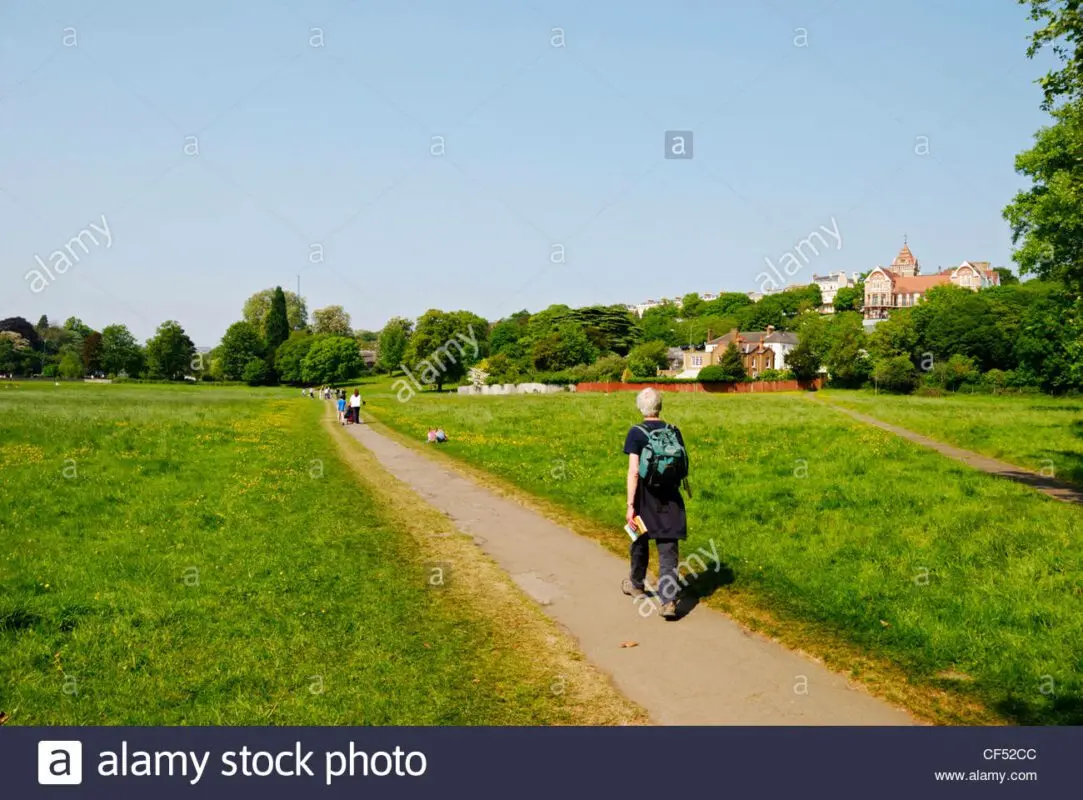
(71,366)
(240,345)
(258,306)
(1007,277)
(1061,20)
(169,352)
(849,298)
(255,372)
(92,352)
(502,369)
(276,327)
(712,373)
(697,330)
(79,328)
(120,352)
(725,305)
(731,366)
(607,368)
(895,374)
(505,337)
(804,361)
(16,354)
(394,339)
(1049,344)
(10,361)
(611,329)
(332,320)
(691,305)
(956,320)
(215,370)
(23,328)
(547,321)
(445,344)
(646,359)
(659,324)
(290,356)
(954,372)
(1047,219)
(895,336)
(773,310)
(332,359)
(846,356)
(563,348)
(43,324)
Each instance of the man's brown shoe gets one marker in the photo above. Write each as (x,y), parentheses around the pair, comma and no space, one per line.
(633,591)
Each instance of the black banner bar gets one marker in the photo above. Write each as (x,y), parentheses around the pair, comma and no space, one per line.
(525,763)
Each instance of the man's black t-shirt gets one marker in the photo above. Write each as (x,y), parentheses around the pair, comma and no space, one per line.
(662,510)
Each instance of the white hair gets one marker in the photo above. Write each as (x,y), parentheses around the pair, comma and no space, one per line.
(649,402)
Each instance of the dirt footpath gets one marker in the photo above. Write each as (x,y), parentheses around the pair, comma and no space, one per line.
(700,670)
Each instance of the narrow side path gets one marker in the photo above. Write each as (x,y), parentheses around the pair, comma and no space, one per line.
(1050,486)
(701,670)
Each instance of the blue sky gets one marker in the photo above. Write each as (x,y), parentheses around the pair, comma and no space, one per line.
(804,114)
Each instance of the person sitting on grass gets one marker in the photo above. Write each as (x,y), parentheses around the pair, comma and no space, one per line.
(657,463)
(431,436)
(440,436)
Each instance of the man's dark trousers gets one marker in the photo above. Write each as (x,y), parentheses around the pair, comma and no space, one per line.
(668,587)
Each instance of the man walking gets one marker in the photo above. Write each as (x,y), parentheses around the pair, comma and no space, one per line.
(657,464)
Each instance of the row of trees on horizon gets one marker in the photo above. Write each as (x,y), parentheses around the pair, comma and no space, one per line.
(1016,335)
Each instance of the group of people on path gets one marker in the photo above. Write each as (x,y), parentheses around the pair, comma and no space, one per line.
(323,393)
(348,405)
(349,408)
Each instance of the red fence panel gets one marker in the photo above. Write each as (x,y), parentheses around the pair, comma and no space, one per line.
(713,387)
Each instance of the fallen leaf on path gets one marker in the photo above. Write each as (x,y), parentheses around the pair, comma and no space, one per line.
(629,644)
(3,717)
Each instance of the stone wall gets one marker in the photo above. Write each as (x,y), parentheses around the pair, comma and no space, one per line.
(513,388)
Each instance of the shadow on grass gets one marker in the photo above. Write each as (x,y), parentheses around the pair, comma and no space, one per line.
(1054,710)
(697,586)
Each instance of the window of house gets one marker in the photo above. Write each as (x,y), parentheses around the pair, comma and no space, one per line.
(697,361)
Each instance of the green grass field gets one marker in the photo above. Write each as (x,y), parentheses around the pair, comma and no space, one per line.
(1044,434)
(970,584)
(192,555)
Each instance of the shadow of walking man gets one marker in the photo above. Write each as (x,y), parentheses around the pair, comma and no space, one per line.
(696,586)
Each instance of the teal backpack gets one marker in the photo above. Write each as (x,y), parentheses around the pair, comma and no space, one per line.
(663,464)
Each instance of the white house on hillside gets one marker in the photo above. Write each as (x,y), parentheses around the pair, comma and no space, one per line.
(829,286)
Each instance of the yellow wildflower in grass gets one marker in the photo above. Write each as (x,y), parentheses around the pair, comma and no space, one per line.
(13,455)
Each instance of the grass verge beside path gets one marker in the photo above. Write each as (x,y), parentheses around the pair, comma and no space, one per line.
(192,555)
(1039,433)
(939,587)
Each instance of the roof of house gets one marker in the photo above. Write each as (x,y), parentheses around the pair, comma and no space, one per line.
(918,283)
(782,337)
(773,337)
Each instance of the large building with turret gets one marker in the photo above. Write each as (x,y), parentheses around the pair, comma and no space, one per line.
(901,285)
